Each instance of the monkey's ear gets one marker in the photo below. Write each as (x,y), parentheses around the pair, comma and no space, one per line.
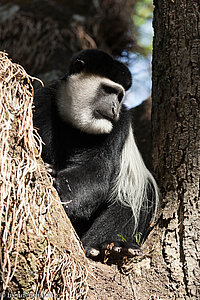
(78,66)
(75,67)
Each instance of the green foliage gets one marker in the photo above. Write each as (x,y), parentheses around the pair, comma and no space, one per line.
(138,238)
(143,14)
(121,237)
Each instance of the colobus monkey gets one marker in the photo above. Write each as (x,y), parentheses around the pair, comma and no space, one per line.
(88,139)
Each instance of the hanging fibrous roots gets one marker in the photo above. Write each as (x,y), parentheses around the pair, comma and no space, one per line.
(37,239)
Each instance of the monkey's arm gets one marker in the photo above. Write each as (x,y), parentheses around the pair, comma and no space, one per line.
(84,190)
(112,229)
(42,120)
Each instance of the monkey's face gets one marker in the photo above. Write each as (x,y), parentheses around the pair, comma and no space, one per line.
(89,102)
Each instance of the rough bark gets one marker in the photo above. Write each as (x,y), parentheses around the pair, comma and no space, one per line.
(176,139)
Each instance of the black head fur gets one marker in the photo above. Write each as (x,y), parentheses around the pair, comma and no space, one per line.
(98,62)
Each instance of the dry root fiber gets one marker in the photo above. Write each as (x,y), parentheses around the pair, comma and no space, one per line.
(34,261)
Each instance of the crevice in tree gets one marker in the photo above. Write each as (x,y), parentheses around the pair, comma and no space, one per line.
(180,213)
(164,255)
(164,223)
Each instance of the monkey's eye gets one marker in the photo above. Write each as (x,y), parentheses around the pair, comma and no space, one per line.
(109,89)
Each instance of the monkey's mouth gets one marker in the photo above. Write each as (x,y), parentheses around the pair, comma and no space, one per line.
(105,115)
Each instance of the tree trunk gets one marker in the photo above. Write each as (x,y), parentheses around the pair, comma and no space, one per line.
(176,139)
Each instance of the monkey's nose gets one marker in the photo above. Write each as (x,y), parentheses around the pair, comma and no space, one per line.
(108,108)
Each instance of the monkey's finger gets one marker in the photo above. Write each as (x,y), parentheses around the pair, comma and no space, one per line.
(92,252)
(131,252)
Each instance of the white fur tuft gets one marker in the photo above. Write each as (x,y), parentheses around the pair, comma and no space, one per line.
(134,179)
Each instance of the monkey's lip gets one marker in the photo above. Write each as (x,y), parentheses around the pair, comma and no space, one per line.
(100,115)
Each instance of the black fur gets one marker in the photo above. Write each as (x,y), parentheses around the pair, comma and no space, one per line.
(100,63)
(85,164)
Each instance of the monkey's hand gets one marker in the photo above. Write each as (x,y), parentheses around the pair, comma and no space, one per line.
(111,235)
(113,250)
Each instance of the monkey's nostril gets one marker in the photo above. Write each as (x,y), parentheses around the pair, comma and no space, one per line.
(115,112)
(114,108)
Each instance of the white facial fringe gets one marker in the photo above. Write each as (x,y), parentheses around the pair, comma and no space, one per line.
(76,102)
(134,182)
